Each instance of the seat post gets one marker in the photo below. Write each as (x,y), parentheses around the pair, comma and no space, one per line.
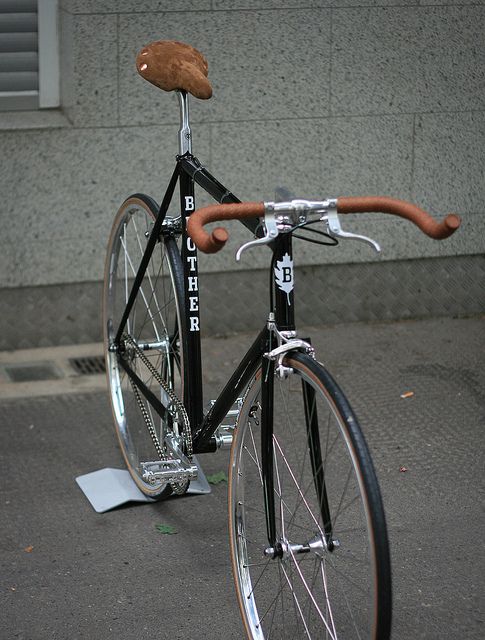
(185,135)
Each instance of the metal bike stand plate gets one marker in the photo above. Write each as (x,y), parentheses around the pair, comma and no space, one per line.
(109,488)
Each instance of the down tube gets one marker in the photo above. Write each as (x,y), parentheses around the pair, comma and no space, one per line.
(203,438)
(193,399)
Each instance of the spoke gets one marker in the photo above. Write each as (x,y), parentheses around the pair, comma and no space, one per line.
(312,596)
(360,529)
(307,436)
(256,454)
(307,530)
(339,508)
(325,586)
(294,436)
(158,314)
(345,577)
(328,449)
(256,462)
(344,596)
(160,271)
(255,459)
(322,466)
(349,556)
(309,444)
(282,515)
(246,539)
(278,492)
(302,577)
(272,602)
(249,595)
(316,571)
(142,293)
(297,486)
(296,612)
(295,599)
(270,630)
(149,314)
(126,276)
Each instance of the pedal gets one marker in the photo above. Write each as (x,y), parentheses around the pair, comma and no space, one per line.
(168,471)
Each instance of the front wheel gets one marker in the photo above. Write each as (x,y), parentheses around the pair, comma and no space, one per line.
(327,574)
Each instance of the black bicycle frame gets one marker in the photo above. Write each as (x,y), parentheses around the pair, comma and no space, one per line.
(188,171)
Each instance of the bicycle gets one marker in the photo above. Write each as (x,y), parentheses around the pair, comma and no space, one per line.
(308,537)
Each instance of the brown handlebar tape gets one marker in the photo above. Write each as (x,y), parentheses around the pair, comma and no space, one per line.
(427,224)
(211,243)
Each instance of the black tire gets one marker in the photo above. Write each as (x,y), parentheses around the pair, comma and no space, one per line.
(155,322)
(337,583)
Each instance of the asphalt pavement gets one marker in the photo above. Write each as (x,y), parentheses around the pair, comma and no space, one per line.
(68,572)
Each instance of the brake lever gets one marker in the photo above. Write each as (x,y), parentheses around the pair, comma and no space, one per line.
(271,233)
(332,219)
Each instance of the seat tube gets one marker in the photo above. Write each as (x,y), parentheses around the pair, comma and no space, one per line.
(192,374)
(193,399)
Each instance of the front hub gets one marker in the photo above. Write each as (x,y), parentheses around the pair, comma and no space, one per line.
(284,549)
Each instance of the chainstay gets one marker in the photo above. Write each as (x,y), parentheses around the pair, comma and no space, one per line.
(176,403)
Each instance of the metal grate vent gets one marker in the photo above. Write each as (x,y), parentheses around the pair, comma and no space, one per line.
(88,365)
(32,372)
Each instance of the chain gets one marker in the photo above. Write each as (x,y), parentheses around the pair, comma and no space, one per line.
(175,403)
(148,421)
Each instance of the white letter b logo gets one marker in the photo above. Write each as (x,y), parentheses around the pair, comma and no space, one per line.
(189,203)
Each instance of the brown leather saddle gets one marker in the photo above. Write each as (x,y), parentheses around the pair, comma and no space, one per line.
(172,66)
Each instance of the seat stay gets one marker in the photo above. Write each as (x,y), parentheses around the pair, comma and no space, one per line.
(153,239)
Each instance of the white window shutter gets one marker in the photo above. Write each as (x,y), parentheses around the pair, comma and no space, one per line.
(29,60)
(48,54)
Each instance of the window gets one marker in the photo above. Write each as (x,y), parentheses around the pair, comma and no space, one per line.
(29,54)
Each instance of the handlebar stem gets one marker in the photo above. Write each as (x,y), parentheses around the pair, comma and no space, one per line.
(294,212)
(283,217)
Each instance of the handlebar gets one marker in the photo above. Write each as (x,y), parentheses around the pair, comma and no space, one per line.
(217,213)
(211,243)
(422,219)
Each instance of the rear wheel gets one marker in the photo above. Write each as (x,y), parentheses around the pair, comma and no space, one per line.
(328,573)
(151,344)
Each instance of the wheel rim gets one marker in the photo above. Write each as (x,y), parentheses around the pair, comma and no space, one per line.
(153,325)
(308,594)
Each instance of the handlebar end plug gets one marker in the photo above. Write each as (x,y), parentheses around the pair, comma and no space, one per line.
(218,239)
(452,221)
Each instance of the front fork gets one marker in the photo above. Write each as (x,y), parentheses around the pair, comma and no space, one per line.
(272,365)
(267,457)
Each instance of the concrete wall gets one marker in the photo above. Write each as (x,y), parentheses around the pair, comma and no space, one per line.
(329,97)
